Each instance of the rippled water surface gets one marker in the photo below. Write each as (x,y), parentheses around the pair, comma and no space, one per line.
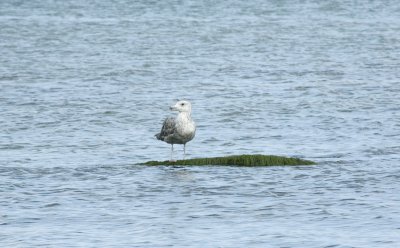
(85,85)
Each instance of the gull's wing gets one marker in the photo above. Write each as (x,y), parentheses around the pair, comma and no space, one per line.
(167,129)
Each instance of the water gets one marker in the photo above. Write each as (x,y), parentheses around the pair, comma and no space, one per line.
(85,85)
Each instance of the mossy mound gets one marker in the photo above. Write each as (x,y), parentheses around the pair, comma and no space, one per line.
(237,160)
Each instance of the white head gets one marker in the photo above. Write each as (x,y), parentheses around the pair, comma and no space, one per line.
(182,106)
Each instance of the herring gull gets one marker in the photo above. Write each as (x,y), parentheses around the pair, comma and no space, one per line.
(180,129)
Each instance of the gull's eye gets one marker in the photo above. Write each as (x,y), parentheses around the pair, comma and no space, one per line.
(182,104)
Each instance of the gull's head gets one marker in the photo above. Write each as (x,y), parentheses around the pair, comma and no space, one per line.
(182,106)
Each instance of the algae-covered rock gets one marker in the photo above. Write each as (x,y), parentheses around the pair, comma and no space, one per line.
(237,160)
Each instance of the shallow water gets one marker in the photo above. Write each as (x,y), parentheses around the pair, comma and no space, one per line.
(85,86)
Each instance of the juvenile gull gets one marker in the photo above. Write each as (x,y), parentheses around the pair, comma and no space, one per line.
(180,129)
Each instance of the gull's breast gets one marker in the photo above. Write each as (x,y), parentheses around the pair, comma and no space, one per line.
(186,129)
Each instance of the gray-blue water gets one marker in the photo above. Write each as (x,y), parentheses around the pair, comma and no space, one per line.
(85,85)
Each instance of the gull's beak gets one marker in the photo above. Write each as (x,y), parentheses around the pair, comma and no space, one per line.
(173,108)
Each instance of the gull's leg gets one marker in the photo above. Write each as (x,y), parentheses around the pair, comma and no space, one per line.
(172,152)
(184,151)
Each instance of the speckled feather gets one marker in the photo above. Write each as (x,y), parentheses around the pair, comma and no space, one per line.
(167,129)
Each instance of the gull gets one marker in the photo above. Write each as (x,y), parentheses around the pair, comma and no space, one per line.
(180,129)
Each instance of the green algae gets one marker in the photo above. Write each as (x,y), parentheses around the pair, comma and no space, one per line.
(237,160)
